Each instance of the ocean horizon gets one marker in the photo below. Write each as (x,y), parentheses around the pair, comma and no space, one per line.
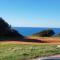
(28,31)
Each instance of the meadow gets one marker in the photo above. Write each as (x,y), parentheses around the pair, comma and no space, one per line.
(10,51)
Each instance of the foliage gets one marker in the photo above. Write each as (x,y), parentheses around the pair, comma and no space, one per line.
(7,31)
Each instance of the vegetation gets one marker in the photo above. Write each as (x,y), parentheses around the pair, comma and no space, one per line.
(7,31)
(26,52)
(45,33)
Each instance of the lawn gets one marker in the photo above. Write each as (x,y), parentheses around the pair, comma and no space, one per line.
(10,51)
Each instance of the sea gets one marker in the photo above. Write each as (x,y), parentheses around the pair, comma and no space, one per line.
(28,31)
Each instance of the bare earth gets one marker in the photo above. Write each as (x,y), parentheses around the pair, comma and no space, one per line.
(18,42)
(47,40)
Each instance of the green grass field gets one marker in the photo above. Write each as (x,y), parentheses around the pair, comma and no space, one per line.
(26,52)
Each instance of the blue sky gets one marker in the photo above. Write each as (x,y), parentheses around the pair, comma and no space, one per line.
(31,13)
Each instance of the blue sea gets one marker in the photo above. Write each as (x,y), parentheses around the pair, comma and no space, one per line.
(28,31)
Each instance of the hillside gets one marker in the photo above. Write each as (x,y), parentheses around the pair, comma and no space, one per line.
(45,33)
(6,31)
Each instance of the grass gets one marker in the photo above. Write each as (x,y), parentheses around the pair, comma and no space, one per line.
(26,52)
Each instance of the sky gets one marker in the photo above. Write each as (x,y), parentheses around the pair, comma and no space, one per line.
(31,13)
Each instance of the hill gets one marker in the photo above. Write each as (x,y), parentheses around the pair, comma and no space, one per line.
(45,33)
(6,31)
